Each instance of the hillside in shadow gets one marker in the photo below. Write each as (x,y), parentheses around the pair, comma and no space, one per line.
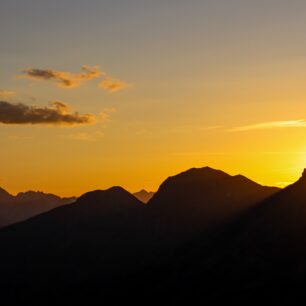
(204,236)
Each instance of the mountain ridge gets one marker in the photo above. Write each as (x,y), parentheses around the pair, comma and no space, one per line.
(204,241)
(202,198)
(261,255)
(24,205)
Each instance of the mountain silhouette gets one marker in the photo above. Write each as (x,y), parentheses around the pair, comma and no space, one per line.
(269,245)
(203,198)
(92,213)
(27,204)
(204,235)
(143,195)
(260,256)
(4,195)
(88,245)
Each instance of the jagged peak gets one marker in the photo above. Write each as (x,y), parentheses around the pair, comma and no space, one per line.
(33,192)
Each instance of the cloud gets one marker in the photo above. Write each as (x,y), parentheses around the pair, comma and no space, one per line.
(6,93)
(66,79)
(112,85)
(271,125)
(62,78)
(56,113)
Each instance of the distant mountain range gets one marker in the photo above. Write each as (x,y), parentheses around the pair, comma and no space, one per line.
(27,204)
(144,196)
(204,237)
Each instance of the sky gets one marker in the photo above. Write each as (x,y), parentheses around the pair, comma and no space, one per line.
(97,93)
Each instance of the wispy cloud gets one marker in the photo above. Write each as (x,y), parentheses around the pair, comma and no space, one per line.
(6,93)
(56,113)
(70,80)
(112,85)
(271,125)
(62,78)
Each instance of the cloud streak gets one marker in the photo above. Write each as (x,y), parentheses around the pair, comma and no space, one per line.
(62,78)
(56,113)
(70,80)
(6,93)
(271,125)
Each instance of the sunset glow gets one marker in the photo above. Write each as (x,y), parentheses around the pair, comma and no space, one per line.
(152,90)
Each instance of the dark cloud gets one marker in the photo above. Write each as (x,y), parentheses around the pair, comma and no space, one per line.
(57,113)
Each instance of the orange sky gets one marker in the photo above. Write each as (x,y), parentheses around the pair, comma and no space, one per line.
(140,91)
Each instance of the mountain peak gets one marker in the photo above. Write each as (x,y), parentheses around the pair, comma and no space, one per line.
(4,194)
(303,177)
(3,191)
(143,195)
(36,195)
(204,171)
(203,198)
(111,190)
(116,193)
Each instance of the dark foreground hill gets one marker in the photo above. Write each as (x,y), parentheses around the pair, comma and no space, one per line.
(72,250)
(27,204)
(258,258)
(110,248)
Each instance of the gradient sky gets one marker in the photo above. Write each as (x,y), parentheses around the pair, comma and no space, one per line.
(219,83)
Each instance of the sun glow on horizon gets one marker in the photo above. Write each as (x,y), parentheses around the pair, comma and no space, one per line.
(153,89)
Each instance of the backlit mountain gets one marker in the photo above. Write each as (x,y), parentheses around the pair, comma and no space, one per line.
(204,198)
(203,236)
